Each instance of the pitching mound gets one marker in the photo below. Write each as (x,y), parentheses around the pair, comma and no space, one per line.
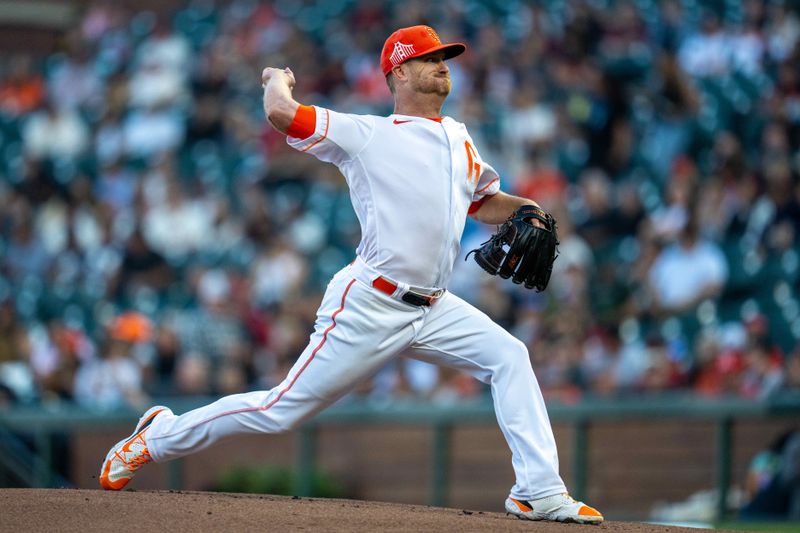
(87,511)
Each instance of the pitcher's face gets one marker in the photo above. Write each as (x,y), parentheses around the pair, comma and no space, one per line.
(429,74)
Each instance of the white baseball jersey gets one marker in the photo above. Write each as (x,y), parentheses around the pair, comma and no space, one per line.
(412,181)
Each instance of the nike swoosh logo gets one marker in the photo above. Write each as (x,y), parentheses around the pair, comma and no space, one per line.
(400,121)
(127,446)
(139,430)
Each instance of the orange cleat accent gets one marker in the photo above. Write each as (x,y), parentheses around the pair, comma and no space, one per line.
(589,511)
(523,506)
(129,455)
(556,508)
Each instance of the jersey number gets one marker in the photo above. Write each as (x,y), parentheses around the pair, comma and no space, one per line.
(472,165)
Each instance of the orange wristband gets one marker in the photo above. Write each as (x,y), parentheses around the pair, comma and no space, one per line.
(304,123)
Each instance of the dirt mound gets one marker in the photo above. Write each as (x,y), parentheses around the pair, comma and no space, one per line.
(82,511)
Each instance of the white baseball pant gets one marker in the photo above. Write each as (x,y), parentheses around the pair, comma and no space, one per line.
(358,330)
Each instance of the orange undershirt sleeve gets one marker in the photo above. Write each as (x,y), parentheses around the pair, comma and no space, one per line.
(304,122)
(474,206)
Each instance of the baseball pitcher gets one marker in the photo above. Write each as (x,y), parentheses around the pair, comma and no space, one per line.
(414,177)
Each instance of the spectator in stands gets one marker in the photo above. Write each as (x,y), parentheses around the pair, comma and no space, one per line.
(74,81)
(557,367)
(719,362)
(141,267)
(785,101)
(178,225)
(84,212)
(25,254)
(575,262)
(55,352)
(55,132)
(783,31)
(663,370)
(747,42)
(152,131)
(687,272)
(792,373)
(540,178)
(72,348)
(230,378)
(773,481)
(597,222)
(601,353)
(22,89)
(161,373)
(206,122)
(7,397)
(277,273)
(16,375)
(193,375)
(213,331)
(777,211)
(668,220)
(706,52)
(162,69)
(451,387)
(763,373)
(10,332)
(529,127)
(114,378)
(676,103)
(109,138)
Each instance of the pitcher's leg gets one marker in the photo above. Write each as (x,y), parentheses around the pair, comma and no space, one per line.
(354,336)
(458,335)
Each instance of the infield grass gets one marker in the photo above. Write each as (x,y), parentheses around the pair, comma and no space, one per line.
(766,527)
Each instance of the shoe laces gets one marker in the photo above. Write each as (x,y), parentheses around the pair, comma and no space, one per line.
(138,461)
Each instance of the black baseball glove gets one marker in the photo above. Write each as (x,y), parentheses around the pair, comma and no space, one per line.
(521,251)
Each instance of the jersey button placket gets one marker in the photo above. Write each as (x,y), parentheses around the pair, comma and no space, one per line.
(446,244)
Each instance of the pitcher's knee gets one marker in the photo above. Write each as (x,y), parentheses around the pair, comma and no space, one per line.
(515,355)
(289,420)
(288,424)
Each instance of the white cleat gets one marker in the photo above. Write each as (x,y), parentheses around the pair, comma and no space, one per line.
(556,508)
(130,454)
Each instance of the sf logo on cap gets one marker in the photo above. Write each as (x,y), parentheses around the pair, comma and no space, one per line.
(433,35)
(401,53)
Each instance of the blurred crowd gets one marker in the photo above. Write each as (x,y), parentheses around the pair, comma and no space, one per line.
(158,238)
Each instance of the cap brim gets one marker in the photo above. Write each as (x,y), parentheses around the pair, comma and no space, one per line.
(451,50)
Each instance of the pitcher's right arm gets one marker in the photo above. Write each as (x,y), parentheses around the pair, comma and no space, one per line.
(331,137)
(279,106)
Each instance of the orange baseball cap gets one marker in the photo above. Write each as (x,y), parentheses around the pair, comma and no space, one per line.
(131,327)
(415,41)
